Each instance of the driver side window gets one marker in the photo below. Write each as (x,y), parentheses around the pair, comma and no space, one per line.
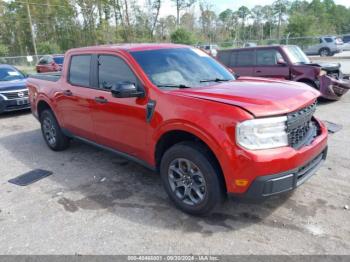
(268,57)
(111,70)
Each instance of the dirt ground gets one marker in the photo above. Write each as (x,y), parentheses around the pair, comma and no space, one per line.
(97,203)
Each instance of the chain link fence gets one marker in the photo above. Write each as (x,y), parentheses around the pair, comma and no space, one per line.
(23,63)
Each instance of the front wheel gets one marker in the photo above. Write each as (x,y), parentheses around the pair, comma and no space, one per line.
(191,178)
(52,132)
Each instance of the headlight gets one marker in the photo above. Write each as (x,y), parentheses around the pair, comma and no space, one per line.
(262,133)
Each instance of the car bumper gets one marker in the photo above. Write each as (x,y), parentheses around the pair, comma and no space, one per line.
(267,186)
(332,88)
(13,104)
(262,165)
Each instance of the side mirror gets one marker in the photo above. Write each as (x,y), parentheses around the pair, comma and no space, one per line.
(281,62)
(126,89)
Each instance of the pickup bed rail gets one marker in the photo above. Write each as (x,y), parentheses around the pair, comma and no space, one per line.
(52,76)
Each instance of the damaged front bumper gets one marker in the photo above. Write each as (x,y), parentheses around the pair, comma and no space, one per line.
(332,88)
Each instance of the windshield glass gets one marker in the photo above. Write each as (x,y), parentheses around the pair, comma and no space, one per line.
(58,60)
(187,67)
(296,55)
(9,74)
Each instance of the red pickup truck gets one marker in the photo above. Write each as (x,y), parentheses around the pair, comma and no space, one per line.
(178,111)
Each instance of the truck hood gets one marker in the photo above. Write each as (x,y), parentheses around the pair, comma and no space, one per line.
(327,66)
(259,96)
(12,85)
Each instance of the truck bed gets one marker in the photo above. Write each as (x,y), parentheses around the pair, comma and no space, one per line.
(51,76)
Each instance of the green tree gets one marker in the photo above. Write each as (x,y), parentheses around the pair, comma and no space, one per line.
(48,48)
(181,36)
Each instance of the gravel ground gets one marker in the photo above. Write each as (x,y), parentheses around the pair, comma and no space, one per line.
(97,203)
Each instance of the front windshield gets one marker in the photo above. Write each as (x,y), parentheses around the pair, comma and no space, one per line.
(9,74)
(186,67)
(296,55)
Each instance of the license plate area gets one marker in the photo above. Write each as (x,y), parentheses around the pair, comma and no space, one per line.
(22,102)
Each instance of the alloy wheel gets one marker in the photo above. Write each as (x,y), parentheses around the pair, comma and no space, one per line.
(187,181)
(49,131)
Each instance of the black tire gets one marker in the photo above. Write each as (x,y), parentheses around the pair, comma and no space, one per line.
(51,129)
(212,192)
(310,83)
(324,52)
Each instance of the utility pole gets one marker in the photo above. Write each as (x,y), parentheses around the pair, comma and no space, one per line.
(31,30)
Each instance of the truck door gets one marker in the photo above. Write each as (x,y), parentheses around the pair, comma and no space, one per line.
(120,123)
(270,63)
(76,96)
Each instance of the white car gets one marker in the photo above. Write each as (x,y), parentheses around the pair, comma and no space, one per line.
(210,49)
(327,46)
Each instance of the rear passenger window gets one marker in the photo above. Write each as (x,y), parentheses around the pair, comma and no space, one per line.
(224,57)
(233,59)
(328,40)
(245,58)
(112,70)
(79,71)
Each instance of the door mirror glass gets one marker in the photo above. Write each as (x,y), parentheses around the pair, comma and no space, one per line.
(126,89)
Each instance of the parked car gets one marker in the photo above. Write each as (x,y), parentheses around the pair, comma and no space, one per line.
(184,115)
(210,49)
(50,63)
(327,46)
(286,62)
(346,40)
(13,90)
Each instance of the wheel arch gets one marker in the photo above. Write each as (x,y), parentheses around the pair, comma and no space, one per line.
(308,82)
(175,136)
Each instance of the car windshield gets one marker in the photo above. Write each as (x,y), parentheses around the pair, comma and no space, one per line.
(181,67)
(9,74)
(296,55)
(58,60)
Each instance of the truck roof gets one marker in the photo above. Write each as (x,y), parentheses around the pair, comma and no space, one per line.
(255,47)
(129,47)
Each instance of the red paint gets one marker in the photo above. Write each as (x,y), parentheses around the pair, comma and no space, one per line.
(210,113)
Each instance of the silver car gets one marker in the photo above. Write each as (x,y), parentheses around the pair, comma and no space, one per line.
(327,46)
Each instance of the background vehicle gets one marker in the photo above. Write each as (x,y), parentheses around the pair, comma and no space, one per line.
(346,40)
(327,46)
(50,63)
(184,115)
(210,49)
(289,63)
(13,90)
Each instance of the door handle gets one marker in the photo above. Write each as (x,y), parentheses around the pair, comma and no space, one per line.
(101,100)
(258,71)
(67,93)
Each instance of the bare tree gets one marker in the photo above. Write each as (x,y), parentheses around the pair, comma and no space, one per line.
(180,5)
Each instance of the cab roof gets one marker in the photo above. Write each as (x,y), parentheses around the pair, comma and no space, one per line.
(130,47)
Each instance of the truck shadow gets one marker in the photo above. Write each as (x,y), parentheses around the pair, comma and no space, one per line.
(13,114)
(107,182)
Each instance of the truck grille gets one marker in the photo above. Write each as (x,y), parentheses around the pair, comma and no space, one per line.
(16,94)
(300,127)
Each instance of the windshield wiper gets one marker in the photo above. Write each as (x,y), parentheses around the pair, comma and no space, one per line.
(215,80)
(173,86)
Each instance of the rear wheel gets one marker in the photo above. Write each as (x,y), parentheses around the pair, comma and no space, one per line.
(191,179)
(324,52)
(52,132)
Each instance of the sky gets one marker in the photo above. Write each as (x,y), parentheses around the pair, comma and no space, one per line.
(168,7)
